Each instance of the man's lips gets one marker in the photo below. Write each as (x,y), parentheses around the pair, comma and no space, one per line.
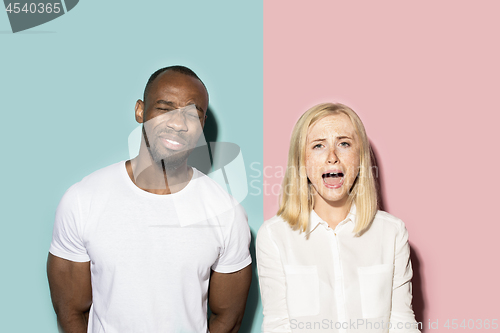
(173,142)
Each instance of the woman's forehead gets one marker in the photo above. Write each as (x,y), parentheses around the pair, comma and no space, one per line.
(332,126)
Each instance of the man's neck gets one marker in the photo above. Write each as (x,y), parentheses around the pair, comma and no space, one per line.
(156,178)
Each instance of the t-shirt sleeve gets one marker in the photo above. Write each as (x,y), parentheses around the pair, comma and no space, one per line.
(235,255)
(67,242)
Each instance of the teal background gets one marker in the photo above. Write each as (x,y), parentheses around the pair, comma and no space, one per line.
(67,92)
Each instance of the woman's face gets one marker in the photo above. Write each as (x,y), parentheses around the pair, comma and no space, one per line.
(332,158)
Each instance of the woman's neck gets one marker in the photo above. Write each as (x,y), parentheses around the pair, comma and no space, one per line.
(331,212)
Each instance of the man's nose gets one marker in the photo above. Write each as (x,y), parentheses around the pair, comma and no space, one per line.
(177,121)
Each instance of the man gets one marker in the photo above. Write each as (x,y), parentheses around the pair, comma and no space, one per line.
(137,244)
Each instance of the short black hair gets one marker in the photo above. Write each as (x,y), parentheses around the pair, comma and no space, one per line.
(177,68)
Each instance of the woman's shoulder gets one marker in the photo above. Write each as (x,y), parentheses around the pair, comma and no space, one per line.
(275,222)
(386,219)
(276,225)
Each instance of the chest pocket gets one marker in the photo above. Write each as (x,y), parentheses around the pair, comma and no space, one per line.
(375,284)
(302,290)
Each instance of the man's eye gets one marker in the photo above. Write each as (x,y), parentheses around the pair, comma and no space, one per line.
(165,109)
(193,115)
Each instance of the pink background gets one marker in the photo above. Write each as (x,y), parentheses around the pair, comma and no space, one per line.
(424,78)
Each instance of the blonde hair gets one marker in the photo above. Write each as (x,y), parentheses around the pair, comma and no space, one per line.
(296,200)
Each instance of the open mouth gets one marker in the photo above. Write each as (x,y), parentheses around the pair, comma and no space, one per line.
(333,179)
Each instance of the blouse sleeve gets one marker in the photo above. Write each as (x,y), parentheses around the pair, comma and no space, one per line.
(272,283)
(402,318)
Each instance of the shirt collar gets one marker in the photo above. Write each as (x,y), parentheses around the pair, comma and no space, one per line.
(315,220)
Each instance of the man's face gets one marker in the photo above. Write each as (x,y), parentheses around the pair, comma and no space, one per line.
(173,116)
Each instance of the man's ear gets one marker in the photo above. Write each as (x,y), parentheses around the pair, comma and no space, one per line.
(139,111)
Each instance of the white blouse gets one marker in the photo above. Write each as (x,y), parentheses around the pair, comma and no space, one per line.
(329,280)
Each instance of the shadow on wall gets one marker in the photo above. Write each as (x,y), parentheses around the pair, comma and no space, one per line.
(198,160)
(417,285)
(198,157)
(253,295)
(418,295)
(211,129)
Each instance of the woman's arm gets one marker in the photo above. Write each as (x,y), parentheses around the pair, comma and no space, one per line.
(402,317)
(272,283)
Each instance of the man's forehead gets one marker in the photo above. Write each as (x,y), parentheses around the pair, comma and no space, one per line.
(177,85)
(170,77)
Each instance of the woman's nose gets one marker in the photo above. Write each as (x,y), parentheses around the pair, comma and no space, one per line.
(332,157)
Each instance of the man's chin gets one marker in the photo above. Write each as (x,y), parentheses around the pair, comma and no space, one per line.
(172,161)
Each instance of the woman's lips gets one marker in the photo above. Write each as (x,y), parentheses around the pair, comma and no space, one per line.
(333,179)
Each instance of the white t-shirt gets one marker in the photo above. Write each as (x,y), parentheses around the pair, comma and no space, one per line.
(151,255)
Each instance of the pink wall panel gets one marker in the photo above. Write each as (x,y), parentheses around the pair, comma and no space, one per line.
(425,78)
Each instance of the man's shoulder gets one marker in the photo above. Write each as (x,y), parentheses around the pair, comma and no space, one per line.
(94,188)
(207,198)
(209,187)
(98,179)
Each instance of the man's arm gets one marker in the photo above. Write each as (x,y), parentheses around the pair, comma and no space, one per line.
(71,292)
(227,298)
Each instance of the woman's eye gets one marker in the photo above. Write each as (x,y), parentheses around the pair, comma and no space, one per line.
(319,145)
(345,144)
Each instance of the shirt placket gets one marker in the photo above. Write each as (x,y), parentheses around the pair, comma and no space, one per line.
(338,279)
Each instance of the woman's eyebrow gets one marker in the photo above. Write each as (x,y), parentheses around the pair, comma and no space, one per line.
(341,137)
(317,140)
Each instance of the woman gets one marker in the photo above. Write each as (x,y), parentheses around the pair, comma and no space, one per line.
(329,261)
